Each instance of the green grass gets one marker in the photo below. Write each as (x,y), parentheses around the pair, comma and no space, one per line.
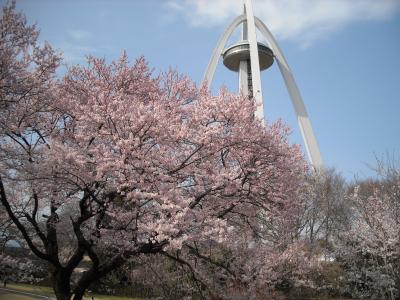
(48,291)
(34,289)
(106,297)
(11,296)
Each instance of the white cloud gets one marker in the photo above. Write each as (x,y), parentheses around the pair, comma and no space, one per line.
(77,45)
(300,20)
(79,34)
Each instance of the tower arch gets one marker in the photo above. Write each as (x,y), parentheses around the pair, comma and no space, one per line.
(252,22)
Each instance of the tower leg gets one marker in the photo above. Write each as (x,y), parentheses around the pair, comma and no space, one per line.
(254,60)
(303,120)
(244,65)
(243,77)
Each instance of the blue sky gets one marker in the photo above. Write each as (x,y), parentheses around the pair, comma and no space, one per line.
(344,55)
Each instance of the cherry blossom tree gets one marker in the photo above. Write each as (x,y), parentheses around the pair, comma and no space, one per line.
(133,164)
(369,252)
(17,269)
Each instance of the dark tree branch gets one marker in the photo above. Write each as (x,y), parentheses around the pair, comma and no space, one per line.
(21,228)
(192,272)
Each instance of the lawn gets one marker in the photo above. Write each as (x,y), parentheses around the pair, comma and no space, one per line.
(34,289)
(47,291)
(12,296)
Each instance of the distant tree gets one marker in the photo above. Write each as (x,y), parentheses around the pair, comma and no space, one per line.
(18,269)
(127,164)
(370,252)
(6,227)
(326,211)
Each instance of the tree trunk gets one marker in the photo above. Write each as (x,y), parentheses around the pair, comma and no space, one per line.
(83,285)
(79,294)
(85,281)
(61,285)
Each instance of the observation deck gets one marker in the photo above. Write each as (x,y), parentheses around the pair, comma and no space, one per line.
(241,52)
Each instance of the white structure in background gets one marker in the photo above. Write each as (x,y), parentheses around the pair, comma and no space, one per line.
(249,57)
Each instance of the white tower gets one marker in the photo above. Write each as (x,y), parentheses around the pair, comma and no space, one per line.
(248,58)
